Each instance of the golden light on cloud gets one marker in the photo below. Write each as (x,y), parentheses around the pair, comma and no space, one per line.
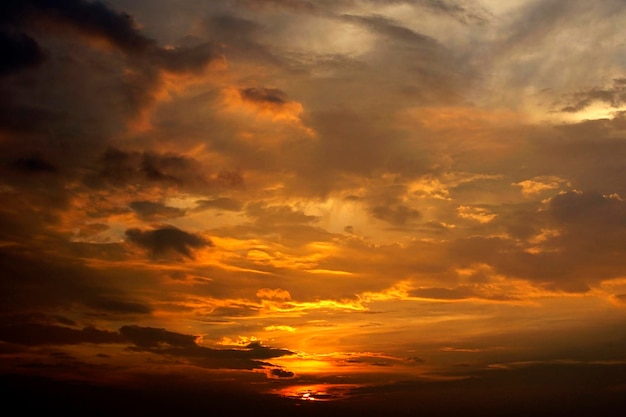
(539,184)
(479,214)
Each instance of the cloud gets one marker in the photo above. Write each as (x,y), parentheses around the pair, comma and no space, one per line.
(96,19)
(270,96)
(120,306)
(19,51)
(167,239)
(463,12)
(150,337)
(222,203)
(265,215)
(273,294)
(34,164)
(398,216)
(479,214)
(31,281)
(614,96)
(120,168)
(148,210)
(540,184)
(164,342)
(280,373)
(33,334)
(463,292)
(389,28)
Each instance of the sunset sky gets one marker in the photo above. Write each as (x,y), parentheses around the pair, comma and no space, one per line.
(408,205)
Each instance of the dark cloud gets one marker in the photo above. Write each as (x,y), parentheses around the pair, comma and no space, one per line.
(121,167)
(119,306)
(163,342)
(34,164)
(281,373)
(398,216)
(148,210)
(34,334)
(32,280)
(615,96)
(35,318)
(159,242)
(149,337)
(18,51)
(588,209)
(264,95)
(97,19)
(23,119)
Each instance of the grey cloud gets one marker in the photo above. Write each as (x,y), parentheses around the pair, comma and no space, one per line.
(264,95)
(148,210)
(463,12)
(398,216)
(117,167)
(33,280)
(95,18)
(120,29)
(615,96)
(167,239)
(242,36)
(388,27)
(120,167)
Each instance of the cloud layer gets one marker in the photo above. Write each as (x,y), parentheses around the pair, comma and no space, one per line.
(287,194)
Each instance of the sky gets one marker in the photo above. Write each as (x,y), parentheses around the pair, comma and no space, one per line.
(314,207)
